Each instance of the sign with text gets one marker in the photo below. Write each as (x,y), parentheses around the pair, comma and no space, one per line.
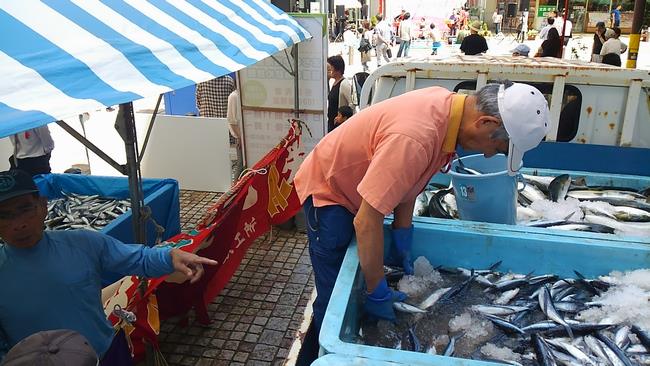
(268,95)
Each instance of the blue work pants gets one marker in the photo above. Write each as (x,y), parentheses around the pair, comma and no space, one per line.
(329,230)
(404,47)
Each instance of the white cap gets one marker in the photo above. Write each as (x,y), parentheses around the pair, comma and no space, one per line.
(524,112)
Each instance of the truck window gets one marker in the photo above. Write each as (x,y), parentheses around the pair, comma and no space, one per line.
(571,106)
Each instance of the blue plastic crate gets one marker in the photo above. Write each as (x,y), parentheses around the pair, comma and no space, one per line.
(593,179)
(161,195)
(471,245)
(336,360)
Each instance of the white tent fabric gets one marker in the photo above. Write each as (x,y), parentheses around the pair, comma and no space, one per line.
(59,58)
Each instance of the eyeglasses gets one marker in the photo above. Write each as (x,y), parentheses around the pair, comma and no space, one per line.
(21,213)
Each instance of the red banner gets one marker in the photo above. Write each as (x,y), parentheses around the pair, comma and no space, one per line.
(263,197)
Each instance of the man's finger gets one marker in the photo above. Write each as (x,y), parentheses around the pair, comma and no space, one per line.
(198,272)
(204,260)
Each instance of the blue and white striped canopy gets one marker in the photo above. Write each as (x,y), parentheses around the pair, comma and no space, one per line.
(60,58)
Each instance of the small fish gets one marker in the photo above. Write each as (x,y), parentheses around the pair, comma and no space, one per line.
(559,187)
(433,298)
(542,351)
(573,351)
(477,277)
(406,308)
(416,346)
(499,309)
(596,347)
(546,304)
(506,297)
(614,348)
(504,324)
(622,337)
(451,347)
(569,306)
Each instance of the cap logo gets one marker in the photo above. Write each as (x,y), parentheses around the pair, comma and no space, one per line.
(7,183)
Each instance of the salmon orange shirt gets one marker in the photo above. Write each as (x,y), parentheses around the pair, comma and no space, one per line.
(385,154)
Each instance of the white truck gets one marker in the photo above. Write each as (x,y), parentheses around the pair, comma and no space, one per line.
(603,111)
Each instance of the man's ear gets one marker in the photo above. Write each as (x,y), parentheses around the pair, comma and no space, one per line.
(487,121)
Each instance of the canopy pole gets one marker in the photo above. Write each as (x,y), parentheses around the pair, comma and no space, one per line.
(119,167)
(296,84)
(153,119)
(125,126)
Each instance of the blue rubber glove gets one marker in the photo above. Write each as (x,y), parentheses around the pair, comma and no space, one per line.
(402,238)
(379,303)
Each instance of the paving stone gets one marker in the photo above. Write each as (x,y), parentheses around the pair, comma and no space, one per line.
(238,336)
(283,311)
(246,347)
(289,299)
(271,337)
(250,337)
(240,357)
(264,352)
(217,343)
(260,320)
(212,353)
(231,345)
(255,329)
(257,363)
(280,324)
(204,362)
(299,278)
(226,354)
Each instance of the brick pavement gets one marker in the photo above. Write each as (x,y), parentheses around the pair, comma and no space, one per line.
(256,316)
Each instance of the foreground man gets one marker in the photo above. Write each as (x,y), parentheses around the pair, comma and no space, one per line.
(52,279)
(383,157)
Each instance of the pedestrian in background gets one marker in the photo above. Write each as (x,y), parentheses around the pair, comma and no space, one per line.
(612,44)
(616,16)
(552,46)
(520,50)
(365,44)
(434,35)
(497,18)
(212,96)
(405,28)
(474,43)
(344,113)
(383,36)
(340,93)
(32,150)
(543,34)
(599,39)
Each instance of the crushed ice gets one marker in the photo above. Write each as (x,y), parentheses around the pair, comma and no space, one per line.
(472,326)
(563,209)
(500,353)
(424,278)
(628,301)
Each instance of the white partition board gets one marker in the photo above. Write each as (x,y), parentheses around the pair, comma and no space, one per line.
(192,150)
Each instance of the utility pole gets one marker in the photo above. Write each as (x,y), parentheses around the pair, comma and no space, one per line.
(635,35)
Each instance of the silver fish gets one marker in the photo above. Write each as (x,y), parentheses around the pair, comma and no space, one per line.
(546,304)
(406,308)
(506,297)
(433,298)
(573,351)
(622,337)
(499,309)
(559,187)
